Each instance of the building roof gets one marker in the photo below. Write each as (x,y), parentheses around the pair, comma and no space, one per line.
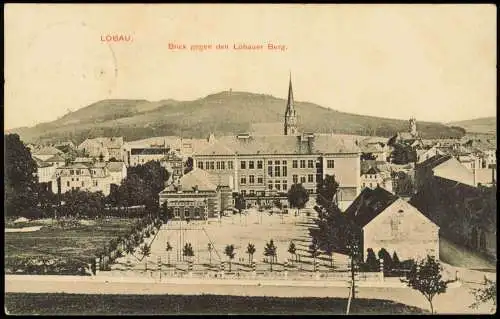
(280,144)
(195,179)
(115,166)
(55,158)
(40,163)
(110,142)
(453,170)
(380,166)
(48,150)
(83,160)
(369,204)
(433,161)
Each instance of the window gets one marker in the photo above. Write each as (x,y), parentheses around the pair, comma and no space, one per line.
(284,163)
(217,164)
(270,171)
(294,164)
(251,179)
(295,179)
(259,164)
(302,179)
(230,164)
(310,164)
(243,192)
(252,192)
(260,180)
(222,165)
(77,179)
(284,171)
(330,164)
(67,183)
(95,183)
(177,212)
(270,185)
(71,172)
(260,193)
(83,185)
(77,172)
(72,179)
(302,163)
(212,166)
(277,185)
(186,211)
(243,164)
(364,184)
(277,171)
(269,162)
(285,186)
(310,178)
(243,180)
(197,212)
(251,165)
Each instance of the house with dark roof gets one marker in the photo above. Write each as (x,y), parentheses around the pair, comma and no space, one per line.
(46,152)
(386,221)
(449,194)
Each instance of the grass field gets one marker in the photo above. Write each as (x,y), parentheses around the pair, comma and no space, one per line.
(76,304)
(80,242)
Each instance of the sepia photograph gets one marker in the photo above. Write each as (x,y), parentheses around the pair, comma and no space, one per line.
(234,159)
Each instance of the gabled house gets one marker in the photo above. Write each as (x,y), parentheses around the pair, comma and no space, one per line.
(384,220)
(57,160)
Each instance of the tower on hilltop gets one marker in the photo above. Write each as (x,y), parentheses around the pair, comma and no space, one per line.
(413,126)
(290,113)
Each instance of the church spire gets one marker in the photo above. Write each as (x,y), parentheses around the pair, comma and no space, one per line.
(290,114)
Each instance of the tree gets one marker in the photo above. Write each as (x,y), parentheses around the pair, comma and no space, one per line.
(270,251)
(327,191)
(250,251)
(146,252)
(239,202)
(129,249)
(229,251)
(210,248)
(19,178)
(188,166)
(386,257)
(297,196)
(396,264)
(486,294)
(168,248)
(314,251)
(292,250)
(329,252)
(425,276)
(372,263)
(188,251)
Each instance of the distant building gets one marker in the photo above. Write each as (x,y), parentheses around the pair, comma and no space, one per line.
(424,154)
(376,174)
(117,171)
(93,178)
(103,147)
(46,152)
(45,171)
(386,221)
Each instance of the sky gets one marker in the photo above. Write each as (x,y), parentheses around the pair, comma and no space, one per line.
(433,62)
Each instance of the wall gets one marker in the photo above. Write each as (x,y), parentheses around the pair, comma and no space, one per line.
(409,233)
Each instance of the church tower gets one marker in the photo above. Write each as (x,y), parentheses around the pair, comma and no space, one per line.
(290,113)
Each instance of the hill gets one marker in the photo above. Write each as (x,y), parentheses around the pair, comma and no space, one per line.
(484,125)
(220,113)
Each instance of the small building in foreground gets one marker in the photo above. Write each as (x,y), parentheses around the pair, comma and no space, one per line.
(387,221)
(195,196)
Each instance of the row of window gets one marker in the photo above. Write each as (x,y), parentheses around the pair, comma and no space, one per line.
(83,183)
(211,165)
(251,179)
(310,179)
(187,211)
